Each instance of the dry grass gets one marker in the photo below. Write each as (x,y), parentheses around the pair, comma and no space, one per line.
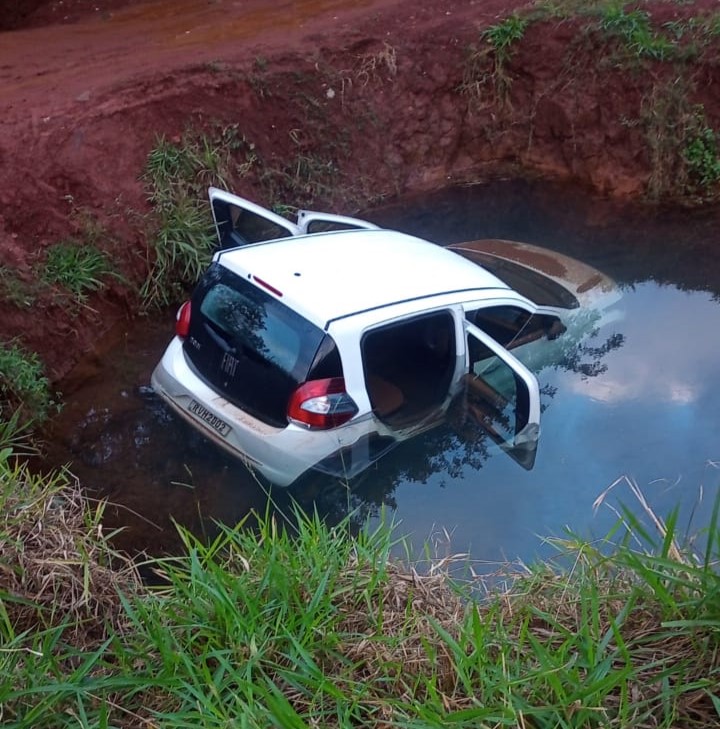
(406,597)
(56,565)
(381,65)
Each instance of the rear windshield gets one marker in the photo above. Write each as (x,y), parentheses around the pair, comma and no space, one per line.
(540,289)
(249,346)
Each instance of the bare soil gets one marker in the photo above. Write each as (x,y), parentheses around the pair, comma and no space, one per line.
(401,96)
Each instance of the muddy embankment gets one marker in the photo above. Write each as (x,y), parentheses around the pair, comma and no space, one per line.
(393,103)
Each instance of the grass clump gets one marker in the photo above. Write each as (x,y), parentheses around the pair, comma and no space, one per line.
(178,173)
(502,36)
(59,568)
(24,387)
(76,267)
(565,9)
(682,145)
(635,31)
(289,628)
(701,152)
(304,178)
(380,65)
(486,64)
(59,597)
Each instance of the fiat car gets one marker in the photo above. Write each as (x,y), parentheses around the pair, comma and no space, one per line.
(322,343)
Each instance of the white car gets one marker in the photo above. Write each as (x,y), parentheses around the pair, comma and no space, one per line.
(323,343)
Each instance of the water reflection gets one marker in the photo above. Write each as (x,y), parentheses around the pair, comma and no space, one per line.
(639,395)
(650,411)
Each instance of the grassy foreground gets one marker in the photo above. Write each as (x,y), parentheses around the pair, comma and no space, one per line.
(318,628)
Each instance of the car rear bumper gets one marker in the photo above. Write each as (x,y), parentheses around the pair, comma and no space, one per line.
(280,454)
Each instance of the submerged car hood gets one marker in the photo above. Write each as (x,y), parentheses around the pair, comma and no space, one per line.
(592,288)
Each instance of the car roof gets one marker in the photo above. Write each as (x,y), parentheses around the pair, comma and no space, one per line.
(327,276)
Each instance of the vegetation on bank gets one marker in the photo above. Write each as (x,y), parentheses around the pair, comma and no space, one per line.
(25,391)
(177,176)
(681,143)
(311,626)
(66,274)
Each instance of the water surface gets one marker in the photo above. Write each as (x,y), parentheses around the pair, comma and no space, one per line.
(638,401)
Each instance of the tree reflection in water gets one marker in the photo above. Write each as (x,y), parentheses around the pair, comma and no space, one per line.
(451,449)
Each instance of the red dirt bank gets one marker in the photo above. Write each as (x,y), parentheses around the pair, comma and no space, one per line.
(373,84)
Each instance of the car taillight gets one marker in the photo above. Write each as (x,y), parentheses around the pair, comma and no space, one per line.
(182,321)
(322,404)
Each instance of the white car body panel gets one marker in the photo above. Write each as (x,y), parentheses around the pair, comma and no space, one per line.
(350,283)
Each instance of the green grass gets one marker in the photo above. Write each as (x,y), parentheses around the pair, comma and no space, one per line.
(503,36)
(312,626)
(76,267)
(24,388)
(635,31)
(631,25)
(565,9)
(701,152)
(177,175)
(485,64)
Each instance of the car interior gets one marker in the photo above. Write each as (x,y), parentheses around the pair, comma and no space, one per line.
(409,367)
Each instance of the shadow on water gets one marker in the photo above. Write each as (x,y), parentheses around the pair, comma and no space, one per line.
(639,397)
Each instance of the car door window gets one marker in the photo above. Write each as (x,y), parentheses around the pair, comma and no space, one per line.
(516,328)
(311,222)
(239,222)
(501,396)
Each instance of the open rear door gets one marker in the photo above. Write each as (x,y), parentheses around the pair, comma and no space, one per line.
(240,222)
(501,396)
(312,222)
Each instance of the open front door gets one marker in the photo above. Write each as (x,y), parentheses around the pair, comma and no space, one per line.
(240,222)
(501,396)
(311,222)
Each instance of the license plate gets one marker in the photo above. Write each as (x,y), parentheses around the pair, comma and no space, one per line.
(210,418)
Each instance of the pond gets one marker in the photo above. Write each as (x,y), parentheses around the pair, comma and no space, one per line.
(639,403)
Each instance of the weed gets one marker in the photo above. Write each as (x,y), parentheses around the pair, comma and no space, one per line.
(701,152)
(500,40)
(259,84)
(24,388)
(15,437)
(565,9)
(178,174)
(683,146)
(634,30)
(504,35)
(665,113)
(76,267)
(183,244)
(311,626)
(64,571)
(305,179)
(712,25)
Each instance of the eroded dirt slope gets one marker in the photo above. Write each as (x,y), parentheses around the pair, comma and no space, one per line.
(391,96)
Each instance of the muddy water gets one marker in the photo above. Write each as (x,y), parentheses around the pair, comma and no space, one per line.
(637,402)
